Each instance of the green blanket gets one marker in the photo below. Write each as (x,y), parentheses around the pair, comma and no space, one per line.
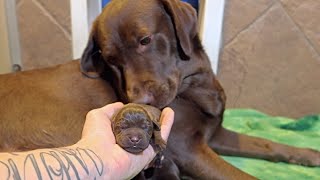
(304,132)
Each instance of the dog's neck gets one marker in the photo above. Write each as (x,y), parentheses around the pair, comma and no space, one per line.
(197,70)
(200,85)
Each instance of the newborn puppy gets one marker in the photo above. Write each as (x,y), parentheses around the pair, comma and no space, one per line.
(136,126)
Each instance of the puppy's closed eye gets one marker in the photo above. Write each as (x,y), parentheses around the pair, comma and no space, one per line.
(134,130)
(124,126)
(144,126)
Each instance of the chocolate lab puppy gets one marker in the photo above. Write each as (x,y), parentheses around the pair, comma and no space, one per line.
(147,52)
(136,126)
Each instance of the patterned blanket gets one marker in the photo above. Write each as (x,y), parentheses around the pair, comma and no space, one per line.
(304,132)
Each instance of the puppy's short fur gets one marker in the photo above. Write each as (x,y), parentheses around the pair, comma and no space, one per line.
(148,52)
(136,126)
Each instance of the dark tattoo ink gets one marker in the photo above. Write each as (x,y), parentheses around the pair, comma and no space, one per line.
(15,171)
(70,152)
(57,163)
(88,151)
(34,164)
(51,170)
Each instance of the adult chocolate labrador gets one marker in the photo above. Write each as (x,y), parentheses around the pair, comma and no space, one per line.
(144,51)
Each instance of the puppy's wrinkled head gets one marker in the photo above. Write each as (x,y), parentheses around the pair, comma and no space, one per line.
(133,128)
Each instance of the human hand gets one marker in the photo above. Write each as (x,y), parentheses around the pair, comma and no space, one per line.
(97,134)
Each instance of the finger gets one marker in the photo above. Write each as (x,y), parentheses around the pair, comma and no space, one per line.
(102,115)
(141,161)
(110,109)
(99,120)
(166,119)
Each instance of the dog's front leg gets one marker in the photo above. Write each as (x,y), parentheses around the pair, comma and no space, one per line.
(187,145)
(168,171)
(226,142)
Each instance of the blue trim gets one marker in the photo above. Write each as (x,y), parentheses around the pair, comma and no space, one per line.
(104,2)
(194,3)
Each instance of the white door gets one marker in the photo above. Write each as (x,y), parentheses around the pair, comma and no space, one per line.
(10,58)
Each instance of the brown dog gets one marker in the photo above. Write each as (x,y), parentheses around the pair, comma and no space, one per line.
(144,51)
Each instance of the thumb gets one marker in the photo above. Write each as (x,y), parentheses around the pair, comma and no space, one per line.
(166,119)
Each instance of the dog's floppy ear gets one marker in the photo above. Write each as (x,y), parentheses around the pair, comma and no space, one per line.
(184,19)
(91,62)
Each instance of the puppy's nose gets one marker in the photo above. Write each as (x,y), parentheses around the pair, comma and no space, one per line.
(135,139)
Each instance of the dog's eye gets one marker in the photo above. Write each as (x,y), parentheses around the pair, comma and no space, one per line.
(111,59)
(145,41)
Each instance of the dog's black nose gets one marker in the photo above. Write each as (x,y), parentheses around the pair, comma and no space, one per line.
(135,139)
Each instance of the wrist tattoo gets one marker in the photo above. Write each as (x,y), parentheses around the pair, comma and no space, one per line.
(62,163)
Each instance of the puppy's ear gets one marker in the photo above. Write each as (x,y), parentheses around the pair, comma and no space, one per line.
(156,124)
(154,115)
(91,62)
(184,19)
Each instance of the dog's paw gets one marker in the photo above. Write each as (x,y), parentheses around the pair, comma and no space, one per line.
(158,160)
(305,157)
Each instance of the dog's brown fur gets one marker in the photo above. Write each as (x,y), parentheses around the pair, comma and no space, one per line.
(46,108)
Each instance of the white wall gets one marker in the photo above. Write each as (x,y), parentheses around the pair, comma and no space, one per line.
(5,62)
(9,36)
(211,21)
(83,12)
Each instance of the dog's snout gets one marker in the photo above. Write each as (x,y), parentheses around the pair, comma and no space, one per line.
(141,95)
(135,139)
(143,99)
